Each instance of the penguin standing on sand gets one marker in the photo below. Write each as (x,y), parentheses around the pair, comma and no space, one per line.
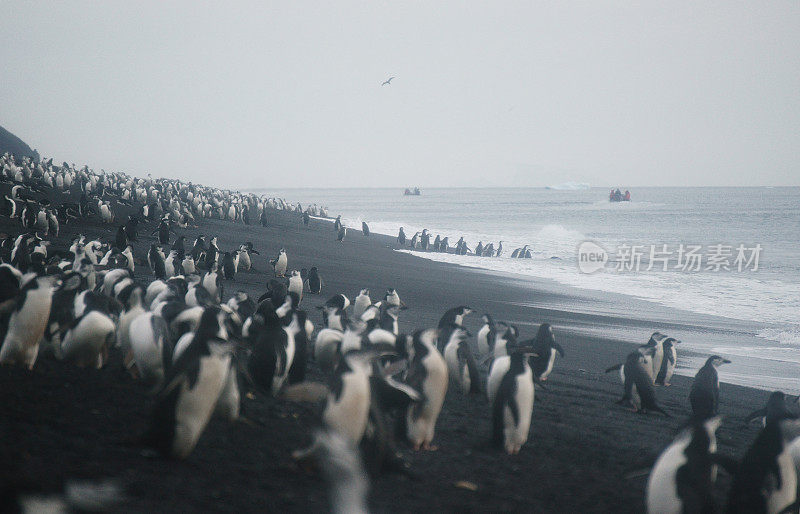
(87,341)
(192,388)
(179,248)
(637,375)
(121,239)
(361,303)
(486,335)
(545,346)
(156,261)
(198,248)
(347,407)
(450,319)
(273,345)
(314,281)
(668,363)
(704,395)
(427,373)
(212,254)
(279,263)
(306,219)
(656,342)
(296,285)
(401,237)
(245,251)
(163,231)
(364,228)
(228,266)
(512,401)
(682,478)
(342,232)
(30,310)
(461,366)
(132,228)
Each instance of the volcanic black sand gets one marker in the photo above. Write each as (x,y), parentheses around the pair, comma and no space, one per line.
(58,422)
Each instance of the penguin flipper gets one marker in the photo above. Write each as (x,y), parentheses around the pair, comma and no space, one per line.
(558,348)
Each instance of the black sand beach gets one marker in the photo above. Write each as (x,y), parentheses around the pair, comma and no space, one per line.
(59,422)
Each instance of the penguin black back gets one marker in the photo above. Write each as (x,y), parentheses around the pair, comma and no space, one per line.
(704,394)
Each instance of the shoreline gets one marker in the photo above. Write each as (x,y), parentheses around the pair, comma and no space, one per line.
(580,447)
(644,314)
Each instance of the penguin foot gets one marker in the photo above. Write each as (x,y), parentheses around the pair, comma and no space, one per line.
(429,448)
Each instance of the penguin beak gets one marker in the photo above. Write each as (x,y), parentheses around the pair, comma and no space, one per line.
(726,361)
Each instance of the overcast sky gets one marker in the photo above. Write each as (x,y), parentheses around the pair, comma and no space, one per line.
(486,94)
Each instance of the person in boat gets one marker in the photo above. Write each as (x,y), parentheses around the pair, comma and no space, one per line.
(627,196)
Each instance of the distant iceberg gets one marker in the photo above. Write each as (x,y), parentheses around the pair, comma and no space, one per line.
(570,186)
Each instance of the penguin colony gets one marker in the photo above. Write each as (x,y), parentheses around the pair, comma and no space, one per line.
(201,349)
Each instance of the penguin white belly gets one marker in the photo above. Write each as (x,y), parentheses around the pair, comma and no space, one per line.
(779,499)
(647,363)
(421,428)
(188,265)
(348,416)
(296,286)
(210,284)
(516,434)
(229,399)
(497,371)
(500,349)
(26,327)
(146,347)
(670,368)
(483,340)
(466,379)
(662,485)
(191,297)
(85,343)
(280,266)
(451,357)
(169,268)
(794,450)
(658,356)
(194,405)
(153,290)
(244,261)
(550,361)
(326,348)
(360,305)
(380,335)
(308,326)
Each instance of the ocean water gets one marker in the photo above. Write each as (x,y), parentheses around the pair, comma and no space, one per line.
(763,304)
